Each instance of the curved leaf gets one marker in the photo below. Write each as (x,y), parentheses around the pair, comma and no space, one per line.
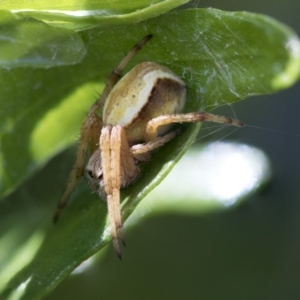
(81,15)
(218,66)
(223,57)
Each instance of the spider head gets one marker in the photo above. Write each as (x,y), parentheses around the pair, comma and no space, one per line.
(94,170)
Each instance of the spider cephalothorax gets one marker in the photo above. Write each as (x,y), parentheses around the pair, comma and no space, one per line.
(138,111)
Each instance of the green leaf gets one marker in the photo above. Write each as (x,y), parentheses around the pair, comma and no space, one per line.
(27,42)
(81,15)
(44,107)
(223,57)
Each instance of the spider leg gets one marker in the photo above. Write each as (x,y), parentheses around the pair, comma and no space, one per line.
(111,181)
(89,129)
(116,74)
(152,125)
(124,170)
(139,149)
(95,130)
(119,169)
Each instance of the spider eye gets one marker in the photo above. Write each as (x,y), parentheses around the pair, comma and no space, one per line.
(90,172)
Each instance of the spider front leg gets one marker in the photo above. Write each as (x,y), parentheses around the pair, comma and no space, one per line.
(90,130)
(152,125)
(119,169)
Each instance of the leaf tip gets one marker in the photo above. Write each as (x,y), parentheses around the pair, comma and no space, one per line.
(291,73)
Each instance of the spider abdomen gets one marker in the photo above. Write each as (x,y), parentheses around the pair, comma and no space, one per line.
(147,91)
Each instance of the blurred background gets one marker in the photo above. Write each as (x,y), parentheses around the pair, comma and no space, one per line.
(248,251)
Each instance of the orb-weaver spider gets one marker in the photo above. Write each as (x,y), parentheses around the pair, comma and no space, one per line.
(136,118)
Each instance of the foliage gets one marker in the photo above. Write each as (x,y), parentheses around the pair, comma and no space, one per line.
(51,78)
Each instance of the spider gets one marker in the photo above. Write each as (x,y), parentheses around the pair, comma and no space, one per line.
(137,112)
